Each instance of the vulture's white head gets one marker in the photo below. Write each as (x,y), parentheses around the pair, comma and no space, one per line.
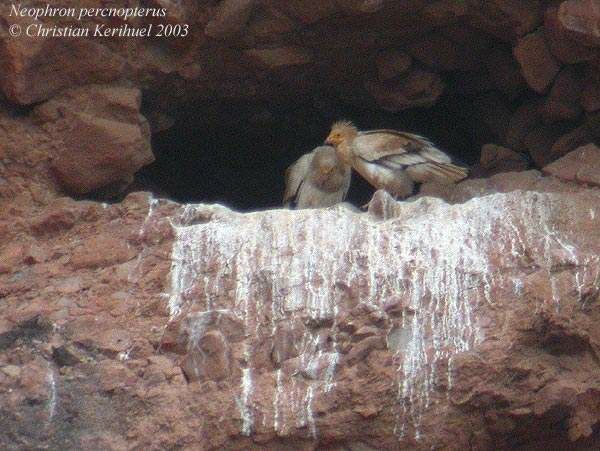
(341,131)
(341,136)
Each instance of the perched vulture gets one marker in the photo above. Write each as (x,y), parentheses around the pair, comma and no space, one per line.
(317,179)
(393,160)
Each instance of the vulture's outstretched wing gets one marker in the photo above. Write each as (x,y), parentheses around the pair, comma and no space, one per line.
(295,174)
(406,151)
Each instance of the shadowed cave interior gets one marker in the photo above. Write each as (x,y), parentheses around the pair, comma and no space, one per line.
(236,153)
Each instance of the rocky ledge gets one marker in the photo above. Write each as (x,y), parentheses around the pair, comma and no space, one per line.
(469,322)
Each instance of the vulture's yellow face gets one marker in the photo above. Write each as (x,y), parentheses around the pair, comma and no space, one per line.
(341,132)
(341,136)
(335,138)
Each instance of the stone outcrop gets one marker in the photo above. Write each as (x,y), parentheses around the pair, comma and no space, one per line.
(581,165)
(497,159)
(26,152)
(102,137)
(582,18)
(537,63)
(465,322)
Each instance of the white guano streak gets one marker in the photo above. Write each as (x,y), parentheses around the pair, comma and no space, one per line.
(434,255)
(246,412)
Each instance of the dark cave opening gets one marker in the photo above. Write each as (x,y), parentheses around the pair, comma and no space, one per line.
(236,153)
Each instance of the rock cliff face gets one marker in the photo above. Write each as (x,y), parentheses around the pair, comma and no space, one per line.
(149,324)
(465,317)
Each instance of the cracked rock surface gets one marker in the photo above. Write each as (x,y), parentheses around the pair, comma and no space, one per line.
(149,324)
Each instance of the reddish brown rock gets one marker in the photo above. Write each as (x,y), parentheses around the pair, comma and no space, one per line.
(444,11)
(61,215)
(506,19)
(33,381)
(25,154)
(496,159)
(57,218)
(89,333)
(439,52)
(419,88)
(104,138)
(564,46)
(35,69)
(537,63)
(286,335)
(281,359)
(308,11)
(581,17)
(269,23)
(209,359)
(524,120)
(590,95)
(114,375)
(101,251)
(582,166)
(539,141)
(229,18)
(563,102)
(585,134)
(11,256)
(274,58)
(360,6)
(392,63)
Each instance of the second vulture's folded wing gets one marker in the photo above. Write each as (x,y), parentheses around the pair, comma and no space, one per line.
(405,151)
(295,174)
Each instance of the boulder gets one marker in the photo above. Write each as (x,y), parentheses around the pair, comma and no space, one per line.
(564,46)
(104,138)
(590,95)
(581,17)
(417,89)
(392,63)
(35,69)
(563,103)
(585,134)
(524,119)
(581,165)
(229,18)
(275,58)
(496,159)
(537,63)
(539,141)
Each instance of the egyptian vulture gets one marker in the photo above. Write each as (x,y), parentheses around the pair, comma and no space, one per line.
(392,160)
(317,179)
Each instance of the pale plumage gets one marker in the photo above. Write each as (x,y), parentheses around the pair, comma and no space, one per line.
(393,160)
(317,179)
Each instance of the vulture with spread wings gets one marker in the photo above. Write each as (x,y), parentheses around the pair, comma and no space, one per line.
(317,179)
(393,160)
